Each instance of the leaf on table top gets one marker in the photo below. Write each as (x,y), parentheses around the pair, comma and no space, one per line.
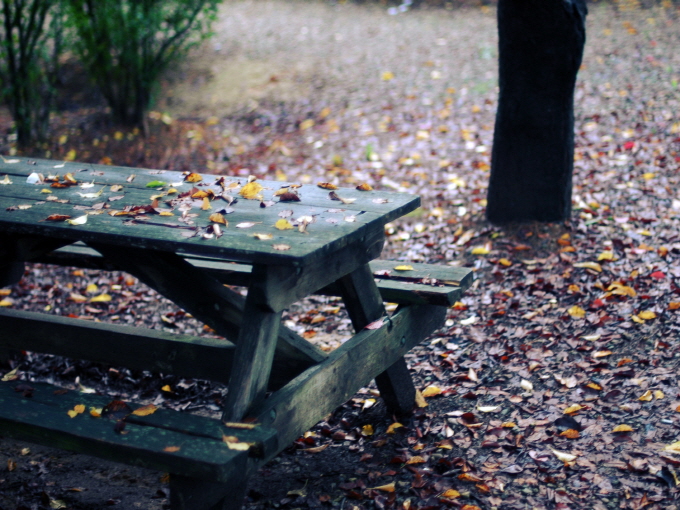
(326,185)
(172,449)
(5,181)
(35,178)
(92,195)
(289,196)
(251,191)
(247,224)
(263,237)
(403,267)
(145,410)
(151,184)
(364,187)
(193,177)
(334,196)
(234,443)
(283,224)
(375,324)
(281,247)
(205,206)
(57,217)
(80,220)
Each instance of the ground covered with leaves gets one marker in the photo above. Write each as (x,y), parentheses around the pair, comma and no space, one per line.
(555,381)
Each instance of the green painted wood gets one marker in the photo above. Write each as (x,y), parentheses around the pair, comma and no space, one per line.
(384,203)
(364,305)
(207,300)
(256,343)
(451,281)
(329,231)
(321,389)
(118,345)
(43,419)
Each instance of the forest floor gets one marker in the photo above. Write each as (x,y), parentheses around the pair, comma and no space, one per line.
(554,384)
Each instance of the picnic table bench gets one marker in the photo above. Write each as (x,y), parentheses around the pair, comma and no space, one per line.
(191,237)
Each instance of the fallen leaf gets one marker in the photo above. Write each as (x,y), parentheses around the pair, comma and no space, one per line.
(450,494)
(364,187)
(394,426)
(152,184)
(251,191)
(367,430)
(416,459)
(481,250)
(576,312)
(647,315)
(247,224)
(526,385)
(5,181)
(193,177)
(404,267)
(281,247)
(574,408)
(171,449)
(646,396)
(145,410)
(334,196)
(102,298)
(589,265)
(283,224)
(326,185)
(431,391)
(564,457)
(623,428)
(80,220)
(263,237)
(57,217)
(390,487)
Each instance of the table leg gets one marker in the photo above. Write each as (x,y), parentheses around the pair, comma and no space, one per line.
(364,305)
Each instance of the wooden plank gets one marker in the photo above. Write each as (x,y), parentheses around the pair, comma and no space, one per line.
(321,389)
(43,419)
(364,305)
(453,280)
(390,204)
(168,234)
(133,347)
(256,344)
(446,275)
(207,300)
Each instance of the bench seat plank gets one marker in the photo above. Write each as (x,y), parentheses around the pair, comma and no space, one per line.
(42,418)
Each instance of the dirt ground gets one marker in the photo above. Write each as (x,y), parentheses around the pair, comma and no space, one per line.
(308,91)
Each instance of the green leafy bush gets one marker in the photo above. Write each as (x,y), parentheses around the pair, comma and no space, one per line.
(30,41)
(125,45)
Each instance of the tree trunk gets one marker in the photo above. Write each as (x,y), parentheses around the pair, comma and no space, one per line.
(540,50)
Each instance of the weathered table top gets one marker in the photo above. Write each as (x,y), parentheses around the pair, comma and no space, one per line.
(164,210)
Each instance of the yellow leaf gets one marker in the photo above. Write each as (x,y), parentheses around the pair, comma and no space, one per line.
(396,425)
(526,385)
(623,428)
(605,255)
(504,262)
(6,302)
(404,267)
(674,447)
(206,204)
(101,298)
(367,430)
(658,394)
(326,185)
(390,487)
(364,187)
(647,314)
(96,412)
(564,457)
(167,388)
(570,434)
(431,391)
(306,124)
(387,76)
(589,265)
(234,444)
(450,494)
(72,413)
(91,288)
(6,180)
(420,400)
(80,220)
(251,191)
(576,312)
(193,177)
(416,459)
(575,408)
(145,410)
(620,289)
(283,224)
(171,449)
(602,354)
(646,396)
(480,250)
(80,408)
(218,218)
(637,319)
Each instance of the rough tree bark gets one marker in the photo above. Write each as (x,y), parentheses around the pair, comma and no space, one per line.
(540,51)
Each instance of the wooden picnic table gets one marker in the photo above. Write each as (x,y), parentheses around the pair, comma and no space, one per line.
(296,239)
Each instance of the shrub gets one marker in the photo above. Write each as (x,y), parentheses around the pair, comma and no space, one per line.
(125,45)
(30,41)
